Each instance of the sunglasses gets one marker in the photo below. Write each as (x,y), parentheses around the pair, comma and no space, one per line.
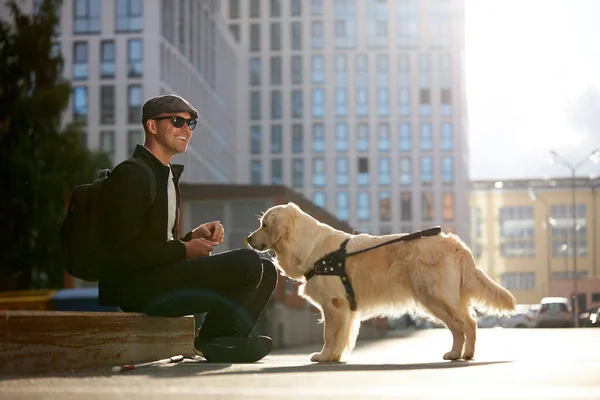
(178,121)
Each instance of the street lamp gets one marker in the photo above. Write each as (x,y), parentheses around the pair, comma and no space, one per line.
(548,221)
(595,158)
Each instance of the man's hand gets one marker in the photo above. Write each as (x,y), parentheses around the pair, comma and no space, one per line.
(212,231)
(199,248)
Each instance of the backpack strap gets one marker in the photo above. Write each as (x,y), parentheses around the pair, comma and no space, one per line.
(147,168)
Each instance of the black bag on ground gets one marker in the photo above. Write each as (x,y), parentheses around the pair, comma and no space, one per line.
(80,228)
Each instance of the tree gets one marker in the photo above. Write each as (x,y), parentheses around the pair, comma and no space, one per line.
(40,161)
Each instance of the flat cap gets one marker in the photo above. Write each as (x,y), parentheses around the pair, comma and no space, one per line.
(168,103)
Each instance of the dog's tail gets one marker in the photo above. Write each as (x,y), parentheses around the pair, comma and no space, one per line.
(483,291)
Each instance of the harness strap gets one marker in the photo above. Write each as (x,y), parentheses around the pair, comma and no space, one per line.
(334,263)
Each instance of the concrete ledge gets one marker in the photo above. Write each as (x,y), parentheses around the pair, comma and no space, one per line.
(54,341)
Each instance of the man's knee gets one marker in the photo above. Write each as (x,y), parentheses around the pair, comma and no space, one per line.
(269,273)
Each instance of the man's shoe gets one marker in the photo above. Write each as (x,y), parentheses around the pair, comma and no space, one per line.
(234,349)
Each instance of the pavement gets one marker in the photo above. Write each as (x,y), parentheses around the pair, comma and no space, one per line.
(509,364)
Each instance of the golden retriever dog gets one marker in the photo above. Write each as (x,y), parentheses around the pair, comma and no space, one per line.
(436,275)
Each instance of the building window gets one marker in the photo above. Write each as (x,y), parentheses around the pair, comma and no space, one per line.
(405,137)
(296,35)
(297,138)
(275,36)
(318,67)
(383,102)
(447,170)
(364,206)
(318,199)
(107,104)
(385,207)
(518,280)
(296,8)
(275,70)
(275,8)
(107,59)
(425,102)
(383,137)
(447,137)
(426,170)
(448,209)
(86,16)
(427,206)
(316,33)
(342,206)
(362,102)
(446,100)
(404,101)
(168,20)
(276,139)
(129,16)
(341,171)
(318,138)
(516,226)
(316,7)
(255,106)
(255,139)
(234,9)
(362,178)
(318,171)
(297,70)
(276,106)
(344,14)
(362,137)
(341,137)
(254,8)
(255,71)
(341,102)
(235,32)
(426,139)
(562,230)
(276,171)
(134,137)
(405,171)
(254,37)
(298,172)
(134,101)
(385,173)
(406,206)
(318,100)
(107,144)
(255,172)
(297,103)
(80,60)
(80,104)
(135,58)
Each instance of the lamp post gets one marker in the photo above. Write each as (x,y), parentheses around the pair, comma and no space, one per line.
(548,221)
(595,158)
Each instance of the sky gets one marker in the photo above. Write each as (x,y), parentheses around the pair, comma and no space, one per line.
(533,85)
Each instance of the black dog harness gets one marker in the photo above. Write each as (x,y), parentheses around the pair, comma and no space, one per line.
(334,263)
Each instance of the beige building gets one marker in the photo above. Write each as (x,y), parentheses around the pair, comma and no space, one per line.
(522,236)
(357,105)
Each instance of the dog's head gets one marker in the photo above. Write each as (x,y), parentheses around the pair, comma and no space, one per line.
(276,224)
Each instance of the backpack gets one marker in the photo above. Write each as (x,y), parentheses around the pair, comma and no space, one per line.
(80,228)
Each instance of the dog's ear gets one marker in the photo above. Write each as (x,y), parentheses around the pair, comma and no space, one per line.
(293,206)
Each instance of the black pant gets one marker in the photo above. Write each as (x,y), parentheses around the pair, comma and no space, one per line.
(233,287)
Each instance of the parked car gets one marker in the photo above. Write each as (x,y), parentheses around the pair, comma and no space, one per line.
(590,317)
(554,312)
(525,314)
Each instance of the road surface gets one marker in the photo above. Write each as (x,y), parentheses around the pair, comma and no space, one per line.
(509,364)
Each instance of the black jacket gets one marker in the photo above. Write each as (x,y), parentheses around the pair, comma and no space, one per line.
(134,233)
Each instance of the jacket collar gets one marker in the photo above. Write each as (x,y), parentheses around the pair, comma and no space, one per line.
(143,152)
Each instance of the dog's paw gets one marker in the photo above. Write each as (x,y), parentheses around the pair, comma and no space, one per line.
(451,355)
(468,355)
(320,357)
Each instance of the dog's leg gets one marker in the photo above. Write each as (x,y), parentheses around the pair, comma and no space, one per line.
(455,324)
(335,331)
(470,334)
(353,330)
